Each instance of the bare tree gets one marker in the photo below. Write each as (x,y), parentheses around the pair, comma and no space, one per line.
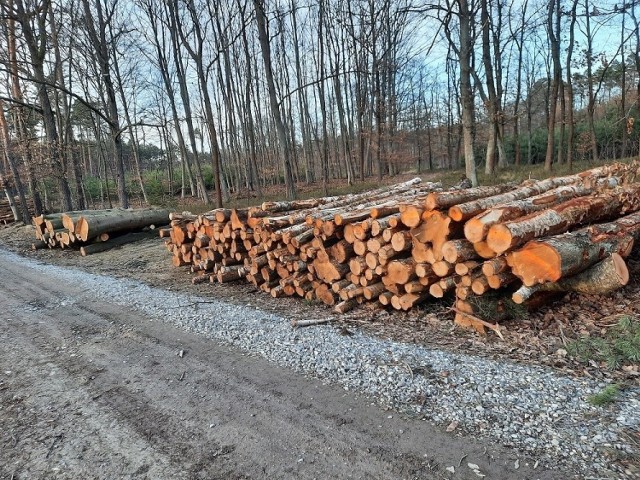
(261,22)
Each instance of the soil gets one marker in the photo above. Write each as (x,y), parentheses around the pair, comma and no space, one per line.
(92,390)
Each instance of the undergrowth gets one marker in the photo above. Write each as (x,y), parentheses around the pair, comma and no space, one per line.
(619,346)
(604,397)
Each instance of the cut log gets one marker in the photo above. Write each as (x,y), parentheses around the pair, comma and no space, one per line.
(341,252)
(459,250)
(422,253)
(505,236)
(330,271)
(385,298)
(346,305)
(467,210)
(501,279)
(476,228)
(604,277)
(480,285)
(437,228)
(495,266)
(401,271)
(466,267)
(372,292)
(411,215)
(483,250)
(443,268)
(118,221)
(447,199)
(380,224)
(401,241)
(439,289)
(549,259)
(410,300)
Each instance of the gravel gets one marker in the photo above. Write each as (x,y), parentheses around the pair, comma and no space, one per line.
(534,409)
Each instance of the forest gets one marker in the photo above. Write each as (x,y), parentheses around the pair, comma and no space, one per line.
(103,101)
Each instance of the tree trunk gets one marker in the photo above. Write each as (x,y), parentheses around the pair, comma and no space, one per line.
(466,91)
(261,21)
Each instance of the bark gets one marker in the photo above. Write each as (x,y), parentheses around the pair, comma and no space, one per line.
(548,260)
(558,219)
(118,221)
(604,277)
(476,229)
(447,199)
(455,251)
(464,211)
(261,21)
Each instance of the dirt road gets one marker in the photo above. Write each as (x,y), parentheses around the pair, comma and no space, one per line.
(91,390)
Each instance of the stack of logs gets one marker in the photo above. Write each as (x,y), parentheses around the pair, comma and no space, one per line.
(95,230)
(401,245)
(6,215)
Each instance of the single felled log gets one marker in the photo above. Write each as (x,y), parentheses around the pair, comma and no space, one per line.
(118,221)
(102,246)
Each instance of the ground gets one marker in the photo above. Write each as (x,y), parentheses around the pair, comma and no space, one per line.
(540,337)
(89,389)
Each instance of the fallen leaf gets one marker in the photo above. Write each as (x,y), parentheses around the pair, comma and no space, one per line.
(451,469)
(473,466)
(452,426)
(517,464)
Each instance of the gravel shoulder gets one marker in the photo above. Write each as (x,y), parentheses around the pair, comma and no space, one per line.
(539,415)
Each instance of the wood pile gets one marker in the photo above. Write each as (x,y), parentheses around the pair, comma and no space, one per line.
(6,215)
(402,245)
(95,230)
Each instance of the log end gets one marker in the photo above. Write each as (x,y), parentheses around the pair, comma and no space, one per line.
(436,291)
(82,229)
(621,268)
(411,216)
(456,214)
(536,263)
(499,238)
(484,250)
(474,230)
